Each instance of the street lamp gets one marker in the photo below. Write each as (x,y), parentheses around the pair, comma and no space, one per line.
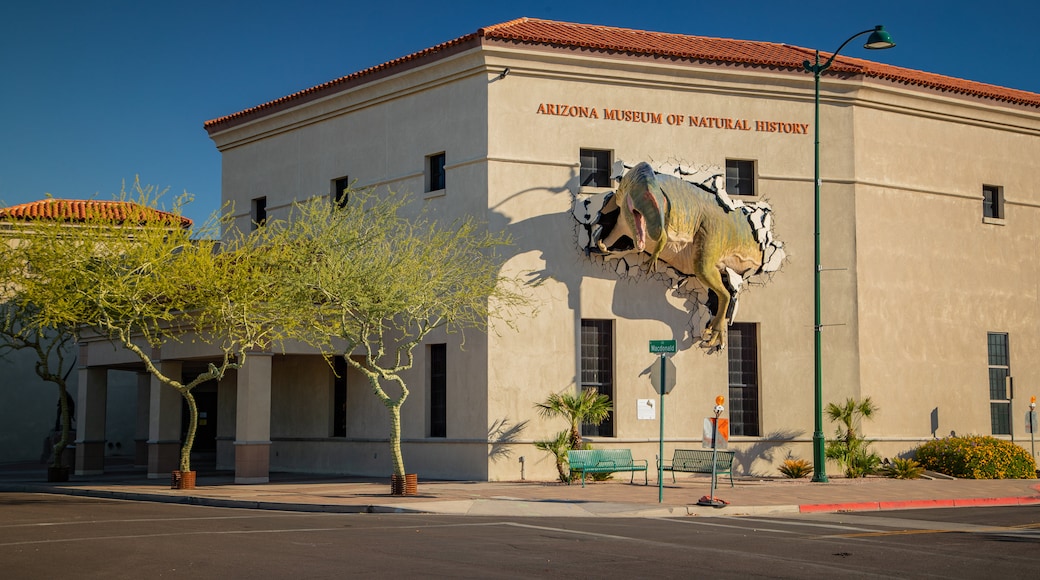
(879,39)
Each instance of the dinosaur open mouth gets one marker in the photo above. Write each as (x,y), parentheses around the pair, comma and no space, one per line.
(640,226)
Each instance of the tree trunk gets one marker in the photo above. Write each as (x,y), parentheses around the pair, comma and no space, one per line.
(189,439)
(66,427)
(395,440)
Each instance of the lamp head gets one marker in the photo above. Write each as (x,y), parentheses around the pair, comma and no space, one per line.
(879,39)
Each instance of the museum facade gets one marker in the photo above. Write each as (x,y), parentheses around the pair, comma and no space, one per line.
(929,213)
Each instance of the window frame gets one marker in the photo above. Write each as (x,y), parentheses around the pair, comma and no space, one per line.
(590,172)
(601,354)
(436,174)
(751,180)
(339,191)
(437,373)
(745,393)
(993,203)
(339,397)
(257,212)
(999,370)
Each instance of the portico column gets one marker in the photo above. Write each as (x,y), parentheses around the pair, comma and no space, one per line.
(91,405)
(164,422)
(253,420)
(144,391)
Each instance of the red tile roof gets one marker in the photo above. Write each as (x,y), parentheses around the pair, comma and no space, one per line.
(76,210)
(640,42)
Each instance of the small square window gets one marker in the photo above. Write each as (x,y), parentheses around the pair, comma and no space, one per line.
(435,176)
(595,168)
(258,213)
(992,201)
(340,191)
(740,177)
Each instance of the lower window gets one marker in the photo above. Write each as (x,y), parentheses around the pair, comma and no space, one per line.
(743,380)
(597,368)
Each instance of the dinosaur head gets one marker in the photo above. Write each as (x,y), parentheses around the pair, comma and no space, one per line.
(645,208)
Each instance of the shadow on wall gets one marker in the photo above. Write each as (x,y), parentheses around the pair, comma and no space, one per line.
(765,450)
(502,436)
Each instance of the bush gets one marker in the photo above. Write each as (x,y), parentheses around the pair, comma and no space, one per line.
(901,468)
(977,457)
(795,468)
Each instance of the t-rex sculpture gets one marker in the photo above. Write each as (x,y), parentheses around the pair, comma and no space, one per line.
(693,228)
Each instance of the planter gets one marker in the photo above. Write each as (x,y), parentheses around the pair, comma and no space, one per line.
(407,485)
(57,474)
(182,480)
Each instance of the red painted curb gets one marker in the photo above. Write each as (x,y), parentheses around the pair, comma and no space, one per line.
(870,506)
(917,504)
(865,506)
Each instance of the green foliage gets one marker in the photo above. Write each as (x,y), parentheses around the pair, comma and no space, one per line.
(976,457)
(849,449)
(142,279)
(903,468)
(371,280)
(557,447)
(588,407)
(795,468)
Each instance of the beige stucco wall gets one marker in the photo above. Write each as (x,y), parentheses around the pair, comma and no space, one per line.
(914,277)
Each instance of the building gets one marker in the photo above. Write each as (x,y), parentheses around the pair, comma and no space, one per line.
(27,412)
(929,212)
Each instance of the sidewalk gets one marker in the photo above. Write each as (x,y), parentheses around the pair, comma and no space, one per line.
(615,498)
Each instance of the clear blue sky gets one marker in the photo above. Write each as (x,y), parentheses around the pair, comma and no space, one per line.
(97,91)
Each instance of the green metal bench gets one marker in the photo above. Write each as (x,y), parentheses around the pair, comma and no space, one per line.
(699,461)
(605,461)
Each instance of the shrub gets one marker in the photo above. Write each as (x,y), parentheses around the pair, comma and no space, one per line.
(976,457)
(795,468)
(901,468)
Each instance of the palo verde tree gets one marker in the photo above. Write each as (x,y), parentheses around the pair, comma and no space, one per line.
(375,283)
(140,278)
(50,348)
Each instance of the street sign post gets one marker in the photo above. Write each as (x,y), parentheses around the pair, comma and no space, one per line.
(661,347)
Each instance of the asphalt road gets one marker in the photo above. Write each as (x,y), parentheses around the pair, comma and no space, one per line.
(52,536)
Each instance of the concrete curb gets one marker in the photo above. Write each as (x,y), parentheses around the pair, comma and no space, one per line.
(515,507)
(873,506)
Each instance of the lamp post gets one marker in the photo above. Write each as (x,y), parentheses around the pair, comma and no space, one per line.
(879,39)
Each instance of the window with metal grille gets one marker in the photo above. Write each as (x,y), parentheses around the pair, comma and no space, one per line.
(438,390)
(597,368)
(595,168)
(740,177)
(999,371)
(743,380)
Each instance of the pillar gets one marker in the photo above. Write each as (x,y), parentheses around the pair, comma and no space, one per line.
(91,405)
(253,420)
(164,422)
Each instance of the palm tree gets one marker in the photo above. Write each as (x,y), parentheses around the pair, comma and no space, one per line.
(557,447)
(849,449)
(588,407)
(849,415)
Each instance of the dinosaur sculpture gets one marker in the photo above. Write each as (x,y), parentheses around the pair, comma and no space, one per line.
(692,227)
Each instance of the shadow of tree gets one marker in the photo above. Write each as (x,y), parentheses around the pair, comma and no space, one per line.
(765,450)
(501,435)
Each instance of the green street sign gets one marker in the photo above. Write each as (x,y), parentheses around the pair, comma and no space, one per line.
(662,346)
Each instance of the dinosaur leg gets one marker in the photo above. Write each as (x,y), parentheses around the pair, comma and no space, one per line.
(715,333)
